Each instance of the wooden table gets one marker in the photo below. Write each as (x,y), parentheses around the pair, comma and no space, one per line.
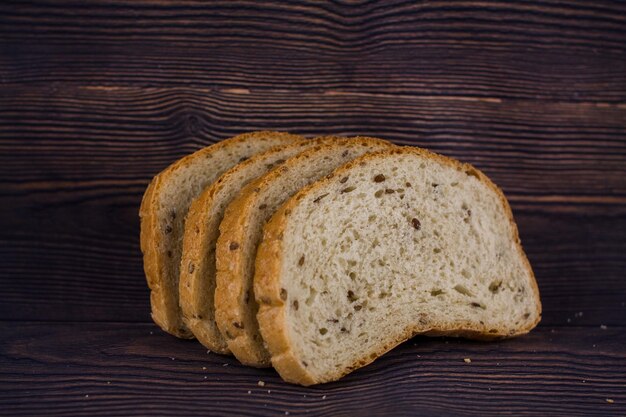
(97,97)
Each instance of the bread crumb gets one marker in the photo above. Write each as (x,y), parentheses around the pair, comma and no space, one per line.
(249,392)
(173,359)
(108,382)
(208,351)
(603,327)
(269,391)
(610,401)
(204,368)
(261,384)
(151,332)
(467,360)
(205,377)
(225,364)
(87,396)
(286,413)
(323,397)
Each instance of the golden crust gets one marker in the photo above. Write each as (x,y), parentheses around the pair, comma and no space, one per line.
(272,310)
(231,263)
(165,309)
(192,285)
(193,253)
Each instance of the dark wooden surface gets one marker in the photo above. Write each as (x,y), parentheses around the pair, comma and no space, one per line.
(97,97)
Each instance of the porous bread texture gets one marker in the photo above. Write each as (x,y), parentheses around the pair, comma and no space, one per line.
(241,231)
(197,272)
(391,245)
(164,207)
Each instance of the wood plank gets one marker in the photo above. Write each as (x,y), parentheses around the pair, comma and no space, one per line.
(568,51)
(83,263)
(134,369)
(62,139)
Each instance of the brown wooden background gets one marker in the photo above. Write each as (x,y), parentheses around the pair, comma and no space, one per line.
(97,97)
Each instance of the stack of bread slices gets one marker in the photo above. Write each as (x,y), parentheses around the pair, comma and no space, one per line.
(316,256)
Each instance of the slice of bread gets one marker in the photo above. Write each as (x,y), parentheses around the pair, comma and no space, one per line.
(164,207)
(392,244)
(241,231)
(197,272)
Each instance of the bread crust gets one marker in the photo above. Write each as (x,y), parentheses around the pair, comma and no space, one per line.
(231,263)
(267,281)
(193,281)
(165,305)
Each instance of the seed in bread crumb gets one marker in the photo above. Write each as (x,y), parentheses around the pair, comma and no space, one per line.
(379,178)
(233,246)
(467,360)
(319,198)
(603,327)
(261,384)
(610,401)
(416,223)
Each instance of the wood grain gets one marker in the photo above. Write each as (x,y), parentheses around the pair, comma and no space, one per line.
(572,51)
(573,152)
(97,97)
(78,270)
(135,369)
